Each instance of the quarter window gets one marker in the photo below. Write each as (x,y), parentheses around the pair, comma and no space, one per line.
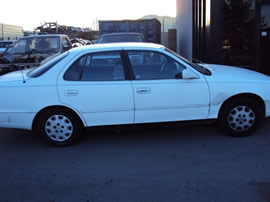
(105,66)
(148,65)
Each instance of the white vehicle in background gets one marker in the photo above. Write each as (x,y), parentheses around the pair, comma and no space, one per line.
(129,83)
(121,37)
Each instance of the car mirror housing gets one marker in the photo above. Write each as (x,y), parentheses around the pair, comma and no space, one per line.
(188,74)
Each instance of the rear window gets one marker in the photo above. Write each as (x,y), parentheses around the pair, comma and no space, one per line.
(38,71)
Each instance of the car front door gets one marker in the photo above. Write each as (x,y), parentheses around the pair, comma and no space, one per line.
(96,87)
(160,93)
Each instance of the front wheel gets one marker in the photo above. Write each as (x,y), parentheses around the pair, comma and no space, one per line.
(240,117)
(59,127)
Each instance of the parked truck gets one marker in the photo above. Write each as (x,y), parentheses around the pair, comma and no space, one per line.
(149,28)
(29,51)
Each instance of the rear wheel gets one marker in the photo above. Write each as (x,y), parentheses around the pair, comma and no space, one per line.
(240,117)
(59,127)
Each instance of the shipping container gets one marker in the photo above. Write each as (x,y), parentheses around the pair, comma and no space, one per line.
(149,28)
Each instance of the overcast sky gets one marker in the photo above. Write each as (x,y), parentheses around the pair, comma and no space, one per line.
(30,13)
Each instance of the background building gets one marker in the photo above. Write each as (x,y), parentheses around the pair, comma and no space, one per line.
(233,32)
(10,32)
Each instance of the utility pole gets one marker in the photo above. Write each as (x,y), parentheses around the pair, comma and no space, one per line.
(3,31)
(163,23)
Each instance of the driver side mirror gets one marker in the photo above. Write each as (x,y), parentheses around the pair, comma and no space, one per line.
(188,74)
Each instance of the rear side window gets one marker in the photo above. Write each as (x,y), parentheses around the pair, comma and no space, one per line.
(105,66)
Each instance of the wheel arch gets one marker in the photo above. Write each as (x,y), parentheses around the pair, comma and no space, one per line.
(34,123)
(251,96)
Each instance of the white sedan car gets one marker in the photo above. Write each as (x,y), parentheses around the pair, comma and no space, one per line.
(129,83)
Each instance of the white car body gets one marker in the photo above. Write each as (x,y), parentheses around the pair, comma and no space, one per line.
(100,103)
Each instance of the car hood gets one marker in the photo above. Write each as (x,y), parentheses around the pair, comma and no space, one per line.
(223,73)
(15,76)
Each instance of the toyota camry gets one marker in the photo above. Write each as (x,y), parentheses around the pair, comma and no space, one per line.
(129,83)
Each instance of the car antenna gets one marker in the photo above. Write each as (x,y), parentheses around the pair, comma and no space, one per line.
(23,77)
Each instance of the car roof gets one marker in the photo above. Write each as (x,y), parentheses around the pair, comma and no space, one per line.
(112,46)
(45,35)
(121,33)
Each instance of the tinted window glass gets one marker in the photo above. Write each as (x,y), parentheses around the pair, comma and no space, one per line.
(75,70)
(153,65)
(199,68)
(106,66)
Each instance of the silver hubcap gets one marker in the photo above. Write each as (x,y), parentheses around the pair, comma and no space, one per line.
(241,118)
(59,128)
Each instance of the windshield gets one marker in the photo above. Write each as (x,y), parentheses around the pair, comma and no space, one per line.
(194,65)
(37,44)
(8,49)
(37,71)
(120,38)
(5,44)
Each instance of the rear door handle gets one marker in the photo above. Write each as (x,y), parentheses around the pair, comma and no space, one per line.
(143,90)
(71,93)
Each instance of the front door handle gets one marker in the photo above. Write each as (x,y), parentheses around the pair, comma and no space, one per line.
(143,90)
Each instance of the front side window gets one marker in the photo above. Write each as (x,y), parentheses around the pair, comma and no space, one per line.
(105,66)
(195,66)
(148,65)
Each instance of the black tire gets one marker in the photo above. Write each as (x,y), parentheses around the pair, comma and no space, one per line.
(59,127)
(240,117)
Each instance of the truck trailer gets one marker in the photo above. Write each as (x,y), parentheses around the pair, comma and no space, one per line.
(149,28)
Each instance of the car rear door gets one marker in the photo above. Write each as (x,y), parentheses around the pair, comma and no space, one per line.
(95,85)
(161,94)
